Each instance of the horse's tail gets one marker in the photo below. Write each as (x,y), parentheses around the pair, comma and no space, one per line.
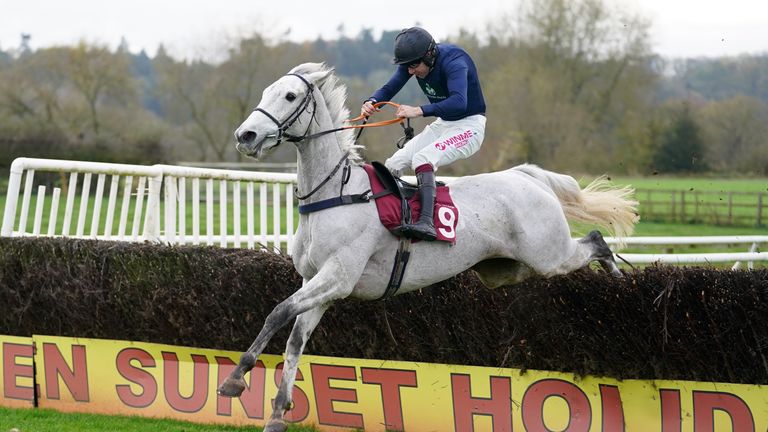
(613,208)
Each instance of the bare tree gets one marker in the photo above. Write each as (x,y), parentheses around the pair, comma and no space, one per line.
(572,72)
(96,74)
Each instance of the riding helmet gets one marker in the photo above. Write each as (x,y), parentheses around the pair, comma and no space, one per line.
(412,44)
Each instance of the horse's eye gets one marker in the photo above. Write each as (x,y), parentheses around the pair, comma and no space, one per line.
(290,97)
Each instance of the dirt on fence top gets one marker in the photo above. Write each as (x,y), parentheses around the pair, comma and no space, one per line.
(658,323)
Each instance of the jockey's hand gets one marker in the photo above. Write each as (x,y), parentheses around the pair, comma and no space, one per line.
(368,109)
(407,111)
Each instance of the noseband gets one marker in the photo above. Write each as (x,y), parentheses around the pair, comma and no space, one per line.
(283,126)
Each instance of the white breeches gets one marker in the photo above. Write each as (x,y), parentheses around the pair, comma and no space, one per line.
(441,143)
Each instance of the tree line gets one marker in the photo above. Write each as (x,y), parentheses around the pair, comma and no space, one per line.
(571,85)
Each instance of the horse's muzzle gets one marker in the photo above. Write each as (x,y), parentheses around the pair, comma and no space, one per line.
(246,137)
(250,150)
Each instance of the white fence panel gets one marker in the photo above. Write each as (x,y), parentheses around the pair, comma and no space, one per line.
(156,215)
(15,219)
(224,213)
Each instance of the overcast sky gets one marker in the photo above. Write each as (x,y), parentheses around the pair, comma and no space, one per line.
(680,28)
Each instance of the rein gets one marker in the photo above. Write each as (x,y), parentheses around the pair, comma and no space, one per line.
(363,125)
(344,158)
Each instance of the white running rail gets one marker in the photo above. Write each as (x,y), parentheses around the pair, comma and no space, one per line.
(135,181)
(188,205)
(751,255)
(209,198)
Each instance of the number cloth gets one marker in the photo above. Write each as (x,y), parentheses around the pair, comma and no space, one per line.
(446,215)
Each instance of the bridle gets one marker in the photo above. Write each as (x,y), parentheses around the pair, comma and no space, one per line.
(283,126)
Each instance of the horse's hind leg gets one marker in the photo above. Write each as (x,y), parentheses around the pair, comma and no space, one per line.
(601,252)
(581,252)
(302,329)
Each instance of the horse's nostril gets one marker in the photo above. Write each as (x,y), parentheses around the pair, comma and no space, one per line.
(247,137)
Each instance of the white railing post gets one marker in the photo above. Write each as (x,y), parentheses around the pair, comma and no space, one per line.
(12,197)
(28,184)
(263,214)
(209,212)
(196,211)
(170,209)
(111,203)
(152,221)
(182,203)
(83,205)
(223,213)
(249,214)
(138,209)
(70,204)
(97,205)
(54,211)
(39,205)
(236,212)
(276,217)
(289,218)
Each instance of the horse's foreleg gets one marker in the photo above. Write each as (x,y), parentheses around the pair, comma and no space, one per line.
(234,385)
(302,330)
(328,285)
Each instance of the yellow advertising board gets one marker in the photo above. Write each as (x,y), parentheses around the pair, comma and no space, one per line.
(117,377)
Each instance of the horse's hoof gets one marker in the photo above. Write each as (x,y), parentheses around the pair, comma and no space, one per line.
(232,387)
(275,425)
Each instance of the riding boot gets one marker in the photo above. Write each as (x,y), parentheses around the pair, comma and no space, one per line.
(424,229)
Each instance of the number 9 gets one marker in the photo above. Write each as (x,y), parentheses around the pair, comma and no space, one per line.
(447,217)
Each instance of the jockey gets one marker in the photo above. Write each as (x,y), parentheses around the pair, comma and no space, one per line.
(448,78)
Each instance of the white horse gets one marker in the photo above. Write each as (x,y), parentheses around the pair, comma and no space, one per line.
(512,224)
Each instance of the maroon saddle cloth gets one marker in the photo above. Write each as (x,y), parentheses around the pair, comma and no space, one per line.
(446,215)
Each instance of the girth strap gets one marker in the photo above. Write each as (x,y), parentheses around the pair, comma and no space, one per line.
(335,202)
(398,269)
(340,201)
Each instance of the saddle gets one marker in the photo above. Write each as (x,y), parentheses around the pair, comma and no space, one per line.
(398,186)
(397,203)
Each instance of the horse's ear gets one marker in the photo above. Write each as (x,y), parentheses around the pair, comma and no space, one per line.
(319,77)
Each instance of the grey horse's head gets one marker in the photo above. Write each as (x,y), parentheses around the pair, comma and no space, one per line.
(284,113)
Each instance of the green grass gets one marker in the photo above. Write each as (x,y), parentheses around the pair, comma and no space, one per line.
(46,420)
(713,201)
(702,184)
(649,228)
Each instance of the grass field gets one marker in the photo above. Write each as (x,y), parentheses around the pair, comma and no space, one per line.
(695,183)
(713,201)
(46,420)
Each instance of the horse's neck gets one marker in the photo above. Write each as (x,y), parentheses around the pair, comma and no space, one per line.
(317,159)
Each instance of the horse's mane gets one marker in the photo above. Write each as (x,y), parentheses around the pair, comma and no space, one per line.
(335,95)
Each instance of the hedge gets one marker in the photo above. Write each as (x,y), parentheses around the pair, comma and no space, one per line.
(660,322)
